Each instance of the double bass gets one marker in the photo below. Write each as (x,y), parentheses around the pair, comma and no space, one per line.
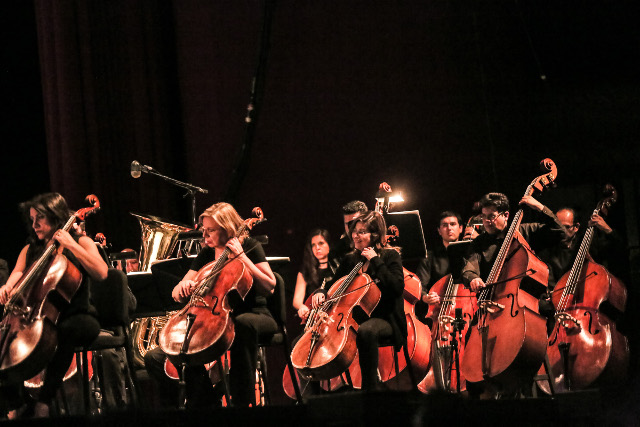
(28,337)
(585,348)
(443,372)
(508,344)
(203,330)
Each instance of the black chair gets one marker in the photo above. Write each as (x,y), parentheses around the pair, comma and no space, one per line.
(277,307)
(113,302)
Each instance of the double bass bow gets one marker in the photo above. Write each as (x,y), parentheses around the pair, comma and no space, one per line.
(585,348)
(28,337)
(203,330)
(508,344)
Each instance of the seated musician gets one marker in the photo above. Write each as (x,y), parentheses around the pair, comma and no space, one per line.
(484,249)
(384,266)
(560,257)
(436,264)
(318,268)
(77,325)
(251,317)
(350,211)
(495,216)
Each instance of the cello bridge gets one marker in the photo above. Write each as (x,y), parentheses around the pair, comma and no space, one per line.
(17,310)
(567,321)
(197,300)
(490,306)
(446,319)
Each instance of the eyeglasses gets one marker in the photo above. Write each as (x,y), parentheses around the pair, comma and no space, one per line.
(361,232)
(491,217)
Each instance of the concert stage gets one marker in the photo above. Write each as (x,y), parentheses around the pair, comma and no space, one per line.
(585,408)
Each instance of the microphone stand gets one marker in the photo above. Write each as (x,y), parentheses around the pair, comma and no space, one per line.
(191,190)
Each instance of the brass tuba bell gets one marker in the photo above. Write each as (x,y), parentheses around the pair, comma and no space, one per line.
(159,239)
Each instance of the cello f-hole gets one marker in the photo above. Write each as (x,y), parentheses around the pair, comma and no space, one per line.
(513,303)
(597,331)
(340,327)
(215,304)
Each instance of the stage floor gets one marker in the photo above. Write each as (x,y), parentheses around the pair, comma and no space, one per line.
(586,408)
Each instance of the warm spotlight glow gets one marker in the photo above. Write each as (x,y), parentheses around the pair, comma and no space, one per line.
(395,197)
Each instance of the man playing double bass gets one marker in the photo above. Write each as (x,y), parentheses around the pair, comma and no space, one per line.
(495,217)
(561,256)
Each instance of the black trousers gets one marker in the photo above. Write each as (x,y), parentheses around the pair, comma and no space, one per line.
(251,328)
(370,334)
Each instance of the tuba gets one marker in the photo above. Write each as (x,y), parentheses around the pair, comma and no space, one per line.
(144,335)
(159,239)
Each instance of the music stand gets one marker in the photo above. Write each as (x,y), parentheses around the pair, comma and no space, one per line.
(410,234)
(456,252)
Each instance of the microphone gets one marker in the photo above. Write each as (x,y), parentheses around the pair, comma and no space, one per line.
(137,169)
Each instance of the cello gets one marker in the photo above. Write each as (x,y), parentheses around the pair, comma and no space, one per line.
(28,336)
(585,348)
(203,330)
(441,375)
(332,384)
(508,344)
(328,346)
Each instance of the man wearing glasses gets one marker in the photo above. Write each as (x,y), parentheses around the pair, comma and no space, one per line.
(495,217)
(560,257)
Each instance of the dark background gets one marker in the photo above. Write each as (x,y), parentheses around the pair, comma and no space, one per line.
(444,100)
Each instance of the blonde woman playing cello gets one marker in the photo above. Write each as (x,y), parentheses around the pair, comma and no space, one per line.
(251,317)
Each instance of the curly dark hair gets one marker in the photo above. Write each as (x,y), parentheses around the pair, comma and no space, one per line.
(495,200)
(353,207)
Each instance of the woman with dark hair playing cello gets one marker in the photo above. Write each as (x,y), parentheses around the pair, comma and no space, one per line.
(384,266)
(251,318)
(47,215)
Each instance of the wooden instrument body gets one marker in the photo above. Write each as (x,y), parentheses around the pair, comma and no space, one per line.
(418,339)
(335,347)
(30,337)
(212,332)
(597,353)
(508,345)
(330,385)
(441,374)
